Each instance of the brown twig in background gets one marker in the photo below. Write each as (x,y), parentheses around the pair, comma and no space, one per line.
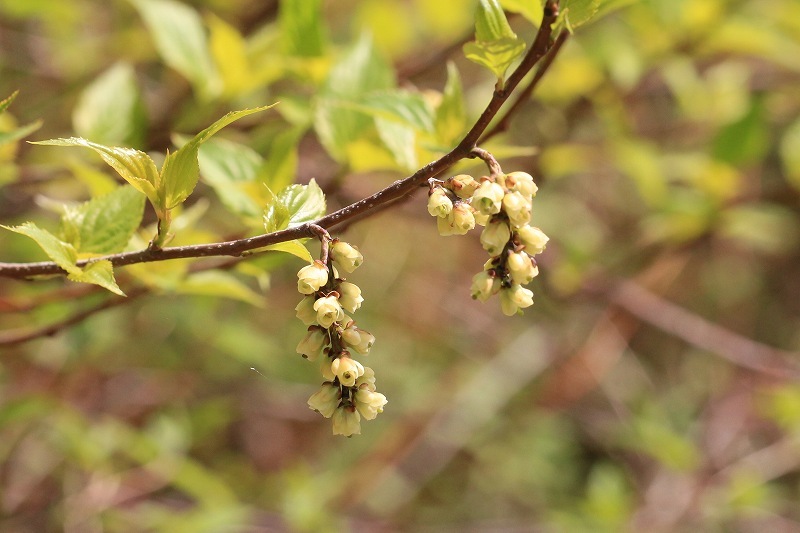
(539,48)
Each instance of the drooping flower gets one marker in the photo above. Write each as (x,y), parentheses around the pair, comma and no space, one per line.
(346,421)
(369,403)
(328,311)
(488,198)
(463,185)
(515,298)
(484,285)
(312,344)
(345,256)
(311,277)
(518,208)
(326,399)
(533,239)
(439,203)
(347,370)
(463,218)
(306,312)
(522,182)
(495,236)
(521,268)
(349,296)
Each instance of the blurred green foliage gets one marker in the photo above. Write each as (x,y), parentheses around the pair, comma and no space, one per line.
(665,140)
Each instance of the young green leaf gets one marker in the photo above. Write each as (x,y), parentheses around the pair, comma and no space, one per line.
(301,27)
(110,109)
(181,41)
(530,9)
(5,102)
(276,214)
(98,273)
(229,50)
(496,45)
(400,140)
(105,224)
(450,119)
(280,166)
(61,253)
(574,13)
(181,169)
(294,247)
(135,167)
(304,203)
(232,169)
(14,135)
(395,105)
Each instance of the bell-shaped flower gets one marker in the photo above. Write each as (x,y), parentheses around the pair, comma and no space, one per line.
(521,267)
(306,312)
(311,277)
(367,379)
(495,236)
(522,182)
(345,256)
(533,239)
(349,296)
(347,370)
(463,218)
(484,285)
(439,203)
(445,225)
(311,345)
(328,311)
(366,340)
(518,208)
(488,198)
(346,421)
(515,298)
(369,403)
(326,399)
(463,185)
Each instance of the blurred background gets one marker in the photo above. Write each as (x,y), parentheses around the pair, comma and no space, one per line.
(653,386)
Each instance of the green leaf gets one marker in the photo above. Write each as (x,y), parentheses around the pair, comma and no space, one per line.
(496,46)
(746,140)
(305,203)
(181,41)
(110,110)
(301,27)
(574,13)
(280,167)
(359,71)
(5,102)
(790,153)
(450,119)
(491,23)
(276,214)
(134,166)
(530,9)
(105,224)
(400,140)
(396,105)
(229,50)
(98,273)
(14,135)
(294,247)
(221,284)
(231,168)
(61,253)
(181,169)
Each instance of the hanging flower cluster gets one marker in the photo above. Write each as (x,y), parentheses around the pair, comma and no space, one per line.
(501,203)
(348,394)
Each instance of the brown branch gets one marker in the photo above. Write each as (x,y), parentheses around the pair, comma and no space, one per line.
(395,191)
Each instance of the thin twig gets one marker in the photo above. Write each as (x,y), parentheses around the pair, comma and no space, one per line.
(393,192)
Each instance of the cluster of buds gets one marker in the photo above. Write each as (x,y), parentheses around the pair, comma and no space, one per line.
(501,203)
(348,393)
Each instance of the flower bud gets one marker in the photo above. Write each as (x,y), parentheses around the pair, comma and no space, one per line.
(312,344)
(326,399)
(346,421)
(349,296)
(488,197)
(522,182)
(367,380)
(463,185)
(521,268)
(495,236)
(351,335)
(445,225)
(484,285)
(518,208)
(312,277)
(439,204)
(345,256)
(515,298)
(533,239)
(365,342)
(463,219)
(347,370)
(369,403)
(306,312)
(328,311)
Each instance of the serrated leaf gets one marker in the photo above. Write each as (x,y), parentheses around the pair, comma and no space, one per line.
(491,23)
(276,214)
(450,119)
(181,168)
(400,140)
(98,273)
(220,284)
(135,167)
(110,110)
(407,108)
(301,27)
(181,41)
(230,168)
(530,9)
(105,224)
(575,13)
(5,102)
(496,55)
(61,253)
(304,203)
(294,247)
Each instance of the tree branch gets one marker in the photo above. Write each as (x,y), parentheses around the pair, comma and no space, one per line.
(399,189)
